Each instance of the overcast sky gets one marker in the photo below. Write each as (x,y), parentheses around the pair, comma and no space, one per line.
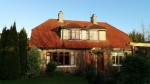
(125,15)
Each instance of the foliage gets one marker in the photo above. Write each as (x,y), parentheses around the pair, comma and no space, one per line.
(3,44)
(136,36)
(23,53)
(10,65)
(90,72)
(143,51)
(33,62)
(93,76)
(135,70)
(50,68)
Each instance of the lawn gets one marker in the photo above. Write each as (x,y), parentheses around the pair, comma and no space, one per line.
(48,80)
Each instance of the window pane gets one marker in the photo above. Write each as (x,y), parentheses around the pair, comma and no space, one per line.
(102,35)
(55,57)
(91,35)
(69,34)
(72,60)
(80,37)
(48,59)
(66,58)
(73,34)
(121,59)
(60,58)
(87,35)
(95,35)
(113,59)
(77,34)
(117,60)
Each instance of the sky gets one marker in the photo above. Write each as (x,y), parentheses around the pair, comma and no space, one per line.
(126,15)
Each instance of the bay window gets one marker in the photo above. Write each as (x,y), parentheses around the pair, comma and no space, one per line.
(61,58)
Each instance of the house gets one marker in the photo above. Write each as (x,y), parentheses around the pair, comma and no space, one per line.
(72,44)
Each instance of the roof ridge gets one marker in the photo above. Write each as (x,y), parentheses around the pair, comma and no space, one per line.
(75,20)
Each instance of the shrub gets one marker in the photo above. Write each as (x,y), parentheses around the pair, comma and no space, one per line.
(50,68)
(135,70)
(33,62)
(90,72)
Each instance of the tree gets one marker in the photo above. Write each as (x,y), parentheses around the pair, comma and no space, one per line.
(10,61)
(136,36)
(23,53)
(135,70)
(3,61)
(13,53)
(33,62)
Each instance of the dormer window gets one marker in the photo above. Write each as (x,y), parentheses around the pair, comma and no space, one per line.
(102,35)
(83,34)
(93,35)
(75,34)
(65,34)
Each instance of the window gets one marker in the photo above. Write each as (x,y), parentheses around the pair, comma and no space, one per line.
(66,59)
(62,58)
(48,54)
(87,35)
(54,58)
(117,58)
(83,34)
(65,34)
(72,58)
(60,62)
(93,35)
(102,35)
(75,34)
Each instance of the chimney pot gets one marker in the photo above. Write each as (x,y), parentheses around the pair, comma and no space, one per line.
(93,19)
(60,17)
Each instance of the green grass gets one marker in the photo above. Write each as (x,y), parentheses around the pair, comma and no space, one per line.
(48,80)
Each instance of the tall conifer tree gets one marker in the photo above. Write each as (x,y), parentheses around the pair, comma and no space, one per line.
(23,53)
(13,68)
(15,52)
(4,62)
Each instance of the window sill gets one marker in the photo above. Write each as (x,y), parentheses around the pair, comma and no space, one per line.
(66,66)
(116,65)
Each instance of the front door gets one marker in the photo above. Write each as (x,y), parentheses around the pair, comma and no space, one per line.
(100,61)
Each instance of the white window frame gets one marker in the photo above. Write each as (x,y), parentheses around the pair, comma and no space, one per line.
(117,56)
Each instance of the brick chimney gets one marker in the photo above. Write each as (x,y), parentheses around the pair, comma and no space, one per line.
(93,19)
(60,17)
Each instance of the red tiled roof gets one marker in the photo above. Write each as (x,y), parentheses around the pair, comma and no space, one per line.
(71,25)
(96,26)
(46,35)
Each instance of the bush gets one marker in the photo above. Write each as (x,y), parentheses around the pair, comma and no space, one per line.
(99,77)
(33,62)
(90,72)
(135,70)
(50,68)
